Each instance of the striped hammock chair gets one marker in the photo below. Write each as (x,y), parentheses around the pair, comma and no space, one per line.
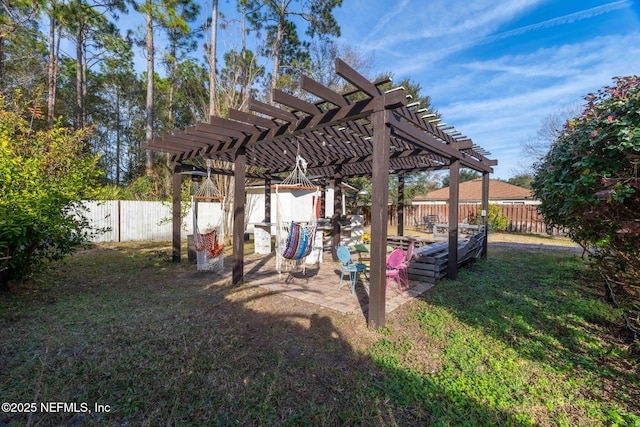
(299,241)
(294,240)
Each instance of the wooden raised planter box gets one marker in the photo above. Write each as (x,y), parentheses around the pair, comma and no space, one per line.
(429,263)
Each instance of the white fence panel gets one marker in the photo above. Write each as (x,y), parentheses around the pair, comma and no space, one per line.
(141,220)
(132,220)
(103,215)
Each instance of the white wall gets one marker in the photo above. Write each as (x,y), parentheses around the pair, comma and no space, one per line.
(297,205)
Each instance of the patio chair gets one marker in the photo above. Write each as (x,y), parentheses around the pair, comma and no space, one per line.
(394,265)
(430,221)
(348,266)
(404,267)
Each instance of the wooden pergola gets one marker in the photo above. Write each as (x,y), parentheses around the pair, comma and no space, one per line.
(364,132)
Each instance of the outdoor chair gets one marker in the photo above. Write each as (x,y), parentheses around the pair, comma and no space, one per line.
(353,269)
(430,221)
(394,265)
(404,266)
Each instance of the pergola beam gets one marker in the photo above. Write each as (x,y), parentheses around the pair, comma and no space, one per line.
(323,92)
(356,79)
(296,103)
(270,110)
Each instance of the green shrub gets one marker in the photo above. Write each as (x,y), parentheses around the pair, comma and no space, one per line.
(589,182)
(496,221)
(43,177)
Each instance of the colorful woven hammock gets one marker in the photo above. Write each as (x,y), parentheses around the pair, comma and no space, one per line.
(299,241)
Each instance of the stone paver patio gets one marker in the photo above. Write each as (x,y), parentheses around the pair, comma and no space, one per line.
(319,285)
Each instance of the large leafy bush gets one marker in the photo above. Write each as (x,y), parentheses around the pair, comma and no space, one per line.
(43,177)
(589,182)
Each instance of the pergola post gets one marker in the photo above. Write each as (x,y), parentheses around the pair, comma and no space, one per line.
(238,215)
(454,192)
(337,193)
(379,215)
(176,221)
(267,201)
(401,204)
(485,210)
(337,214)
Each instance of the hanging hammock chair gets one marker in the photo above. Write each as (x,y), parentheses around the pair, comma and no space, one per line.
(208,246)
(297,179)
(294,240)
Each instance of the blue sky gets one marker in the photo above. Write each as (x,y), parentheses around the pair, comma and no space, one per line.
(494,69)
(497,69)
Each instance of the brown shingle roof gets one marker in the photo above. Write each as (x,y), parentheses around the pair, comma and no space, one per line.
(471,191)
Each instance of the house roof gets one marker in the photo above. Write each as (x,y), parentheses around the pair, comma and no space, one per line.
(471,191)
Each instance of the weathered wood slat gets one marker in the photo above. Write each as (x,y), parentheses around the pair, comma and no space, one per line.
(430,263)
(431,249)
(431,259)
(433,280)
(404,241)
(424,273)
(419,266)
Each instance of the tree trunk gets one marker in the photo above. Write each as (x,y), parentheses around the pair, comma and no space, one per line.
(212,59)
(118,141)
(150,85)
(52,69)
(79,77)
(276,54)
(244,71)
(84,79)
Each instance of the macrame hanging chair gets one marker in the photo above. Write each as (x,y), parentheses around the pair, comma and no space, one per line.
(294,240)
(297,179)
(208,245)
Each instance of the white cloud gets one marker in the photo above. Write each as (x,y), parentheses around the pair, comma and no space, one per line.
(561,20)
(501,102)
(430,36)
(441,23)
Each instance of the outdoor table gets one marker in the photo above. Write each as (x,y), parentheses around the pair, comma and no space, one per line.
(363,248)
(443,229)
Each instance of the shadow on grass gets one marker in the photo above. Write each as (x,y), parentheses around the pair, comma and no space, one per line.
(160,344)
(542,305)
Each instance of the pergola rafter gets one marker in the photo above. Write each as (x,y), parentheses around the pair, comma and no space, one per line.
(363,132)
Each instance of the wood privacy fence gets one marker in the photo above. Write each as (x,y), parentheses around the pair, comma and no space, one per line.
(521,218)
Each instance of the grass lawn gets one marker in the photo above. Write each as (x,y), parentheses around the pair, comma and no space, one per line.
(523,338)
